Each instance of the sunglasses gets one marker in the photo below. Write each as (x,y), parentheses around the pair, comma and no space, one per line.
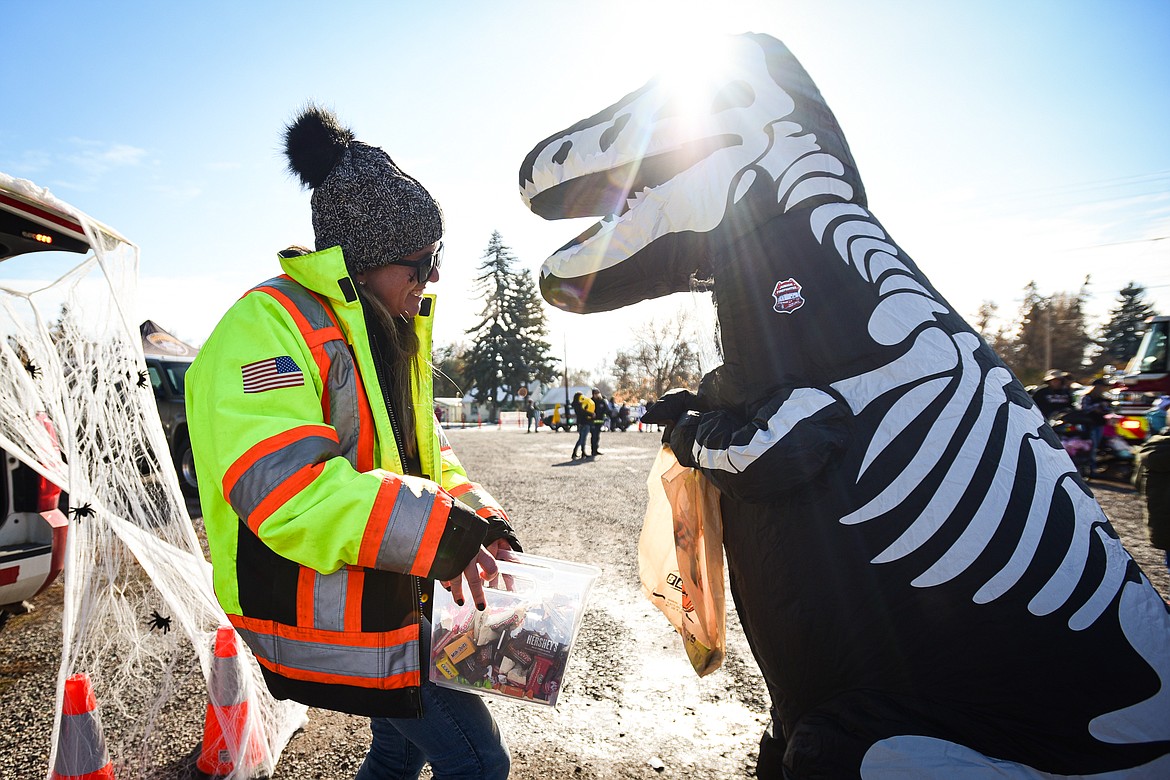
(425,264)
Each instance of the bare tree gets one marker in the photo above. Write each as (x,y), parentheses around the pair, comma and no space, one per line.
(663,356)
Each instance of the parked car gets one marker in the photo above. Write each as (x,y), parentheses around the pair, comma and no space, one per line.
(167,361)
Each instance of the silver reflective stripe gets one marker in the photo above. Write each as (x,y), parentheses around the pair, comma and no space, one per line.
(343,398)
(271,471)
(342,379)
(474,499)
(370,663)
(329,598)
(308,306)
(227,681)
(408,521)
(80,746)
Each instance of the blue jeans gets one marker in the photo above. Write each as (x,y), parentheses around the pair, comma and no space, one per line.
(582,435)
(456,735)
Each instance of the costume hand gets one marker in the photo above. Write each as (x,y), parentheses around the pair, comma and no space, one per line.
(681,438)
(672,405)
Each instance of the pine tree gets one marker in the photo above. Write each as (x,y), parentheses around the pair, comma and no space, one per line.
(1028,353)
(1122,334)
(1052,334)
(508,345)
(1069,337)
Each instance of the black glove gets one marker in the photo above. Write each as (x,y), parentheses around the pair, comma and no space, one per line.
(500,528)
(681,438)
(672,405)
(459,543)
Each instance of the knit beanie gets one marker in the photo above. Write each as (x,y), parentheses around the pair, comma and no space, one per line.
(362,202)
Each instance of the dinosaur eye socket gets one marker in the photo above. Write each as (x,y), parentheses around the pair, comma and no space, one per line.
(737,94)
(613,131)
(563,153)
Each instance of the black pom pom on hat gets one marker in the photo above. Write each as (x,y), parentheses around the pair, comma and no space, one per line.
(361,201)
(314,143)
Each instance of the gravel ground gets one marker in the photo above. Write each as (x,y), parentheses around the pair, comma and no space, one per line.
(631,706)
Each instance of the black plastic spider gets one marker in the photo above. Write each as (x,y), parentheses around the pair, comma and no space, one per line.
(158,622)
(143,379)
(32,368)
(85,510)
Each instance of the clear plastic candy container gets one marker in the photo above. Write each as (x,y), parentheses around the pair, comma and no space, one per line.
(518,647)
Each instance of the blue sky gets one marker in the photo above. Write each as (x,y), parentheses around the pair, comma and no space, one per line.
(999,142)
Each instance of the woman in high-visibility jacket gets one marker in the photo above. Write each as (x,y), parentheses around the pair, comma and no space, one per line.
(330,496)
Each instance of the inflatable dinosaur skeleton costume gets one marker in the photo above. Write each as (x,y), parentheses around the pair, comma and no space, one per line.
(928,587)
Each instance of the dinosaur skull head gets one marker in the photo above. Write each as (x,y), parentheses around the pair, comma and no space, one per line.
(675,170)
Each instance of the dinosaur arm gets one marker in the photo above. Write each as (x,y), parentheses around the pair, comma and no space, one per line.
(789,440)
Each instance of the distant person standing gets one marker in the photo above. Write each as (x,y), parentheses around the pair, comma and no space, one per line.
(530,411)
(1053,396)
(600,416)
(639,413)
(1095,404)
(583,413)
(1151,477)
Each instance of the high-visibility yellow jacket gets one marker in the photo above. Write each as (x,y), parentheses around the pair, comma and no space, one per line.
(322,548)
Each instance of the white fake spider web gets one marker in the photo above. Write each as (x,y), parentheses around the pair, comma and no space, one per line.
(68,350)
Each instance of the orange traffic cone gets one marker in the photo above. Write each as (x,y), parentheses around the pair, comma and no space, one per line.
(81,748)
(226,721)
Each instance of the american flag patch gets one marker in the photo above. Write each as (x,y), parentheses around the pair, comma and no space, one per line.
(272,373)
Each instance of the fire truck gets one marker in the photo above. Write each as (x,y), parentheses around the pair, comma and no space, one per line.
(1146,379)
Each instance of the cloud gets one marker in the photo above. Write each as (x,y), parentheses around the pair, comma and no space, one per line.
(97,158)
(177,192)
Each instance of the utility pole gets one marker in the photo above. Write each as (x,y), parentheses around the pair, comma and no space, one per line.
(1047,338)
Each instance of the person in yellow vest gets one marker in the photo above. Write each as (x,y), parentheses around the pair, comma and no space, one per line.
(331,498)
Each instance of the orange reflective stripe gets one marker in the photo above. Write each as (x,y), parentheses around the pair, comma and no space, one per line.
(316,341)
(376,523)
(314,337)
(366,433)
(275,499)
(460,489)
(269,446)
(429,544)
(268,631)
(353,601)
(306,580)
(294,311)
(404,680)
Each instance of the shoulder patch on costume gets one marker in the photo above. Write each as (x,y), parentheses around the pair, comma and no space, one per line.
(787,295)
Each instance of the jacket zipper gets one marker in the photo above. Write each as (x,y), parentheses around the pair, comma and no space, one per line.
(396,432)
